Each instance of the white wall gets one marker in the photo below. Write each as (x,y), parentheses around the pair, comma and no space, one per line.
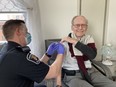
(56,17)
(111,23)
(110,31)
(94,10)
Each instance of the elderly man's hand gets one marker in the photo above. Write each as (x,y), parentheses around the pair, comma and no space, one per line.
(69,40)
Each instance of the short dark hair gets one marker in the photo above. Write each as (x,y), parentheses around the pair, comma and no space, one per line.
(10,26)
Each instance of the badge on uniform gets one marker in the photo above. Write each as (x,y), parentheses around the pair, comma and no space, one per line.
(32,58)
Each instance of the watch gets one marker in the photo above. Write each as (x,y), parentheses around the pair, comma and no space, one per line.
(48,55)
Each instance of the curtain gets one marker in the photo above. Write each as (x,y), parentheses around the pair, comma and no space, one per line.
(33,24)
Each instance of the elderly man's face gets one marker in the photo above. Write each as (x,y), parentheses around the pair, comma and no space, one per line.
(79,26)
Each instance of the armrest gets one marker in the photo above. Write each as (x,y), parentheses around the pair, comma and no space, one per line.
(102,68)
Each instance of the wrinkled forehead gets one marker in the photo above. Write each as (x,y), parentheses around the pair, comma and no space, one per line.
(80,20)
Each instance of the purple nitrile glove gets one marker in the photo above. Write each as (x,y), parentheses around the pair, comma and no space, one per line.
(60,49)
(52,48)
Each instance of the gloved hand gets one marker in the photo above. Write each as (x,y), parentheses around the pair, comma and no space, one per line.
(60,49)
(52,48)
(55,46)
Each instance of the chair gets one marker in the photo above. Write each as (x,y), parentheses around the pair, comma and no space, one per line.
(103,69)
(96,64)
(2,44)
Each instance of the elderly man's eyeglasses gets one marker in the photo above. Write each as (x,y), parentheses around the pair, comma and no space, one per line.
(78,25)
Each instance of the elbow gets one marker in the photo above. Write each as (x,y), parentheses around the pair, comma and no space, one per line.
(93,55)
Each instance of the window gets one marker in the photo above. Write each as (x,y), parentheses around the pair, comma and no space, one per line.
(9,11)
(6,16)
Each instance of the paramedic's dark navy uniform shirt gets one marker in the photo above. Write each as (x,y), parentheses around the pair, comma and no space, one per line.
(19,68)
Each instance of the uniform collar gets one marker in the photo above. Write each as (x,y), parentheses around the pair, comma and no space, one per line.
(12,44)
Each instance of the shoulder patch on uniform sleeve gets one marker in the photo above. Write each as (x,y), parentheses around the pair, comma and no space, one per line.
(32,58)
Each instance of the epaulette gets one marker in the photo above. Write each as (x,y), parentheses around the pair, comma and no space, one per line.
(25,49)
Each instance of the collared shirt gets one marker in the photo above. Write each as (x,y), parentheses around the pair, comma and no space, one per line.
(70,63)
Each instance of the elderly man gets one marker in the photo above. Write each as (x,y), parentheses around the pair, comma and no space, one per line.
(80,48)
